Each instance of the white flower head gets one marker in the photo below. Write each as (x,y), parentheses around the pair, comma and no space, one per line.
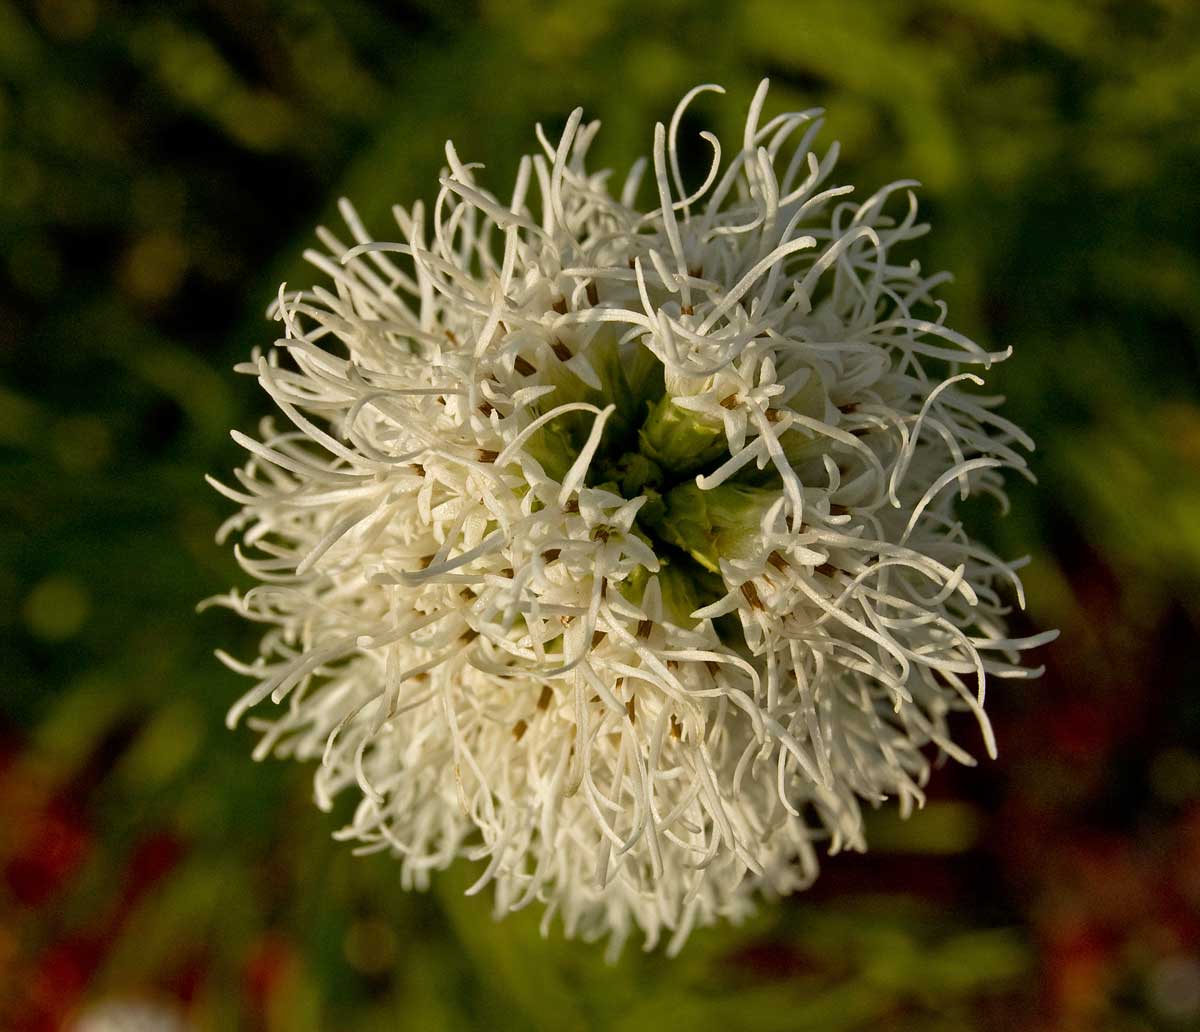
(616,549)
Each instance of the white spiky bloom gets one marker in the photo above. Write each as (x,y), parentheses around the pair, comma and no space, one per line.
(617,549)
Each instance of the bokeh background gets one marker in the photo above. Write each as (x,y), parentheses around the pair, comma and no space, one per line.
(162,166)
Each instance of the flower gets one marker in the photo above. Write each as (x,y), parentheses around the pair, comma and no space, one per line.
(134,1014)
(617,549)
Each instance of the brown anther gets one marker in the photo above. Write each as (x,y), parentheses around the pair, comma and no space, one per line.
(601,534)
(597,637)
(750,593)
(561,351)
(451,337)
(774,415)
(571,506)
(730,402)
(565,620)
(593,295)
(468,636)
(485,408)
(778,561)
(644,628)
(686,310)
(551,554)
(676,728)
(672,664)
(487,455)
(441,400)
(545,697)
(519,729)
(631,709)
(828,569)
(524,366)
(559,304)
(418,469)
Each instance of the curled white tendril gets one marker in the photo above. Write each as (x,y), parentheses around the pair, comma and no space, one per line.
(466,618)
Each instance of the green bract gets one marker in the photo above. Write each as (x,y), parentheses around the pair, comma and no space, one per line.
(679,440)
(724,522)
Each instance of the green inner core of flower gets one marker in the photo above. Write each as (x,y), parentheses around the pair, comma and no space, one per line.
(652,447)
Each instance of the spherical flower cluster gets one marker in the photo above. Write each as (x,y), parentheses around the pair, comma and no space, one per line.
(616,549)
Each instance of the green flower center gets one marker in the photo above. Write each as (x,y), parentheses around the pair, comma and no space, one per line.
(655,449)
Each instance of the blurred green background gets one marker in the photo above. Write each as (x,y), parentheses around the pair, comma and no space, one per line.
(162,165)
